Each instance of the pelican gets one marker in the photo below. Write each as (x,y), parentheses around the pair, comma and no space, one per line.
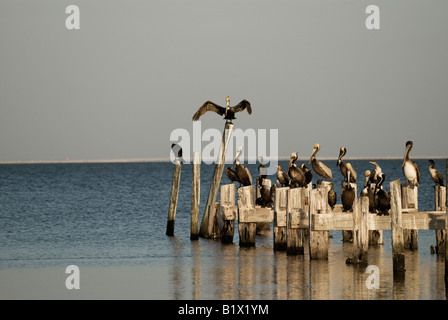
(348,192)
(343,167)
(228,112)
(382,197)
(320,168)
(410,168)
(231,174)
(295,172)
(374,174)
(436,176)
(282,177)
(265,192)
(332,197)
(308,173)
(242,172)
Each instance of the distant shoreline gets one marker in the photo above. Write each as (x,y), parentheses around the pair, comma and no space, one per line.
(168,160)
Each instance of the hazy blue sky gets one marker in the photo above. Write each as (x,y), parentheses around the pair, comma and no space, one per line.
(136,70)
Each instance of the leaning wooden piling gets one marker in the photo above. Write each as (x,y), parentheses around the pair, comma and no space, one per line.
(195,196)
(397,229)
(409,203)
(246,209)
(173,199)
(216,180)
(440,205)
(318,243)
(280,206)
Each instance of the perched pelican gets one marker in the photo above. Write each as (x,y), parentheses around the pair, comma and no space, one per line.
(410,168)
(382,197)
(296,173)
(228,111)
(282,177)
(374,174)
(348,192)
(332,197)
(436,176)
(242,172)
(262,170)
(343,167)
(308,173)
(320,168)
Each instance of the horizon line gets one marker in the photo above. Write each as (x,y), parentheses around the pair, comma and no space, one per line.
(267,159)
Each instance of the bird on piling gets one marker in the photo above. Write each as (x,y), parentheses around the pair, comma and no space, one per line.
(242,172)
(262,169)
(373,177)
(348,192)
(343,167)
(318,166)
(308,173)
(282,177)
(410,168)
(177,151)
(382,197)
(231,174)
(332,197)
(265,192)
(296,173)
(436,176)
(368,191)
(228,112)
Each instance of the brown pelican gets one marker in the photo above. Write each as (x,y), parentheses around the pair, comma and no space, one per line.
(375,172)
(410,168)
(332,197)
(348,192)
(295,172)
(231,174)
(282,177)
(343,167)
(242,172)
(308,173)
(228,111)
(382,197)
(320,168)
(436,176)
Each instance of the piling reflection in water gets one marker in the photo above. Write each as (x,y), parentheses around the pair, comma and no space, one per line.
(228,272)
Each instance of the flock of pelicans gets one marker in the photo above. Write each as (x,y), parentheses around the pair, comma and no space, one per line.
(300,176)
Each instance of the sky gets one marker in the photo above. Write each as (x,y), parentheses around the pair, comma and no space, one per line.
(136,70)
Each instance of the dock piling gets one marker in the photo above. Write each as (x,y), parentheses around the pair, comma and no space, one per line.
(173,199)
(195,196)
(397,230)
(280,206)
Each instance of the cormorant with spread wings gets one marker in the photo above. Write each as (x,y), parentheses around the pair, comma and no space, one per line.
(228,111)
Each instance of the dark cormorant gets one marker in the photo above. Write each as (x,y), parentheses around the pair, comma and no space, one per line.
(382,197)
(228,111)
(436,176)
(332,197)
(348,192)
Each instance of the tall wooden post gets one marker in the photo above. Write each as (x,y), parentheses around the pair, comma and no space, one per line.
(246,209)
(409,203)
(360,230)
(295,217)
(397,230)
(440,205)
(228,212)
(280,205)
(217,175)
(173,199)
(318,239)
(195,196)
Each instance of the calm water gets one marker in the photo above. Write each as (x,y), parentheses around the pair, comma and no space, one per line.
(109,219)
